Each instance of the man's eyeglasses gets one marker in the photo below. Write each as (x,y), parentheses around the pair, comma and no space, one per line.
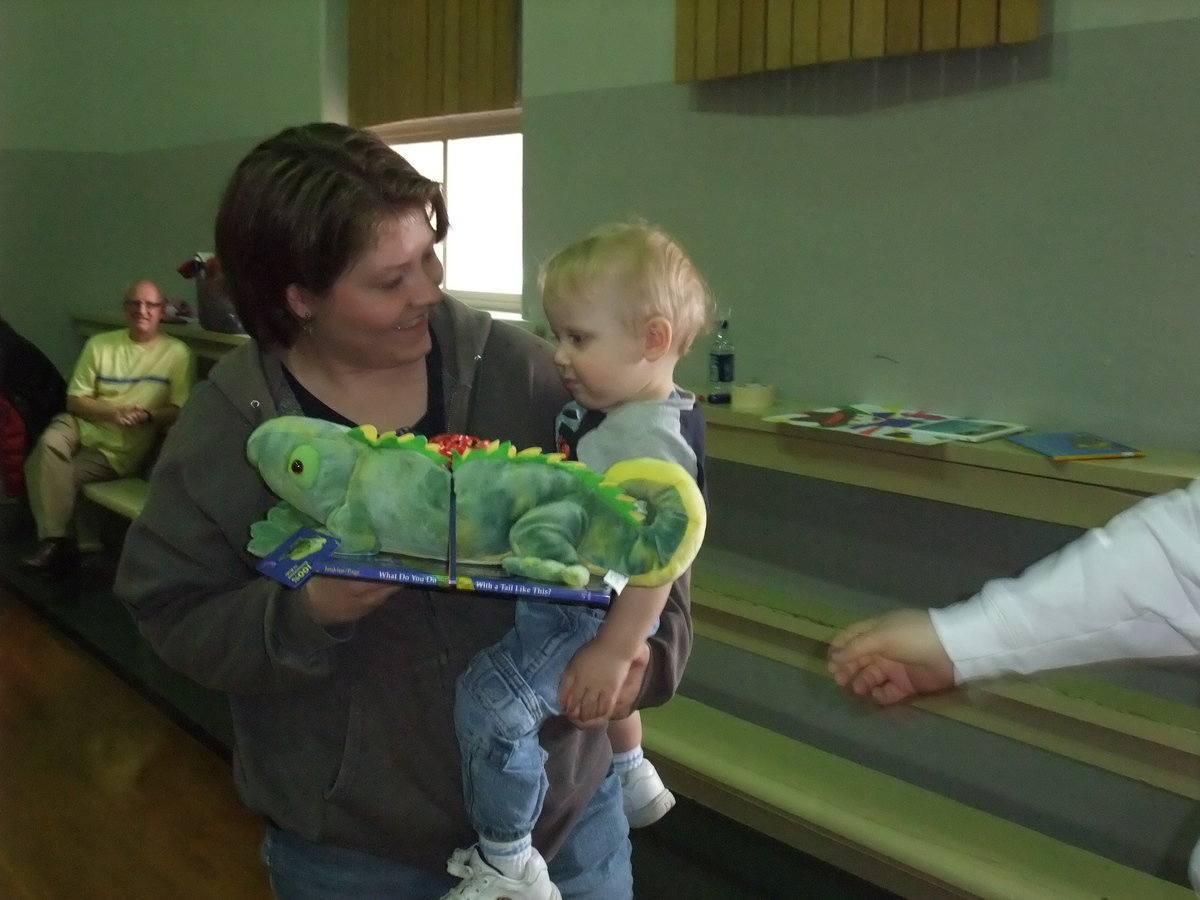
(141,304)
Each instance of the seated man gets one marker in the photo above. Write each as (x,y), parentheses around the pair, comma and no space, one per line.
(127,385)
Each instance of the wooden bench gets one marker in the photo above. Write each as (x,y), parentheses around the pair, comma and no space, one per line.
(757,777)
(911,840)
(124,496)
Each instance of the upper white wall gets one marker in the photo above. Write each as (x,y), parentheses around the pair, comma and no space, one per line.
(94,75)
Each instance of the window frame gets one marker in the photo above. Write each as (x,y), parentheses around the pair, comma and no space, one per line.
(453,127)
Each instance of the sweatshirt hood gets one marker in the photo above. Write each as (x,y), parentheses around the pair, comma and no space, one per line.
(462,333)
(252,381)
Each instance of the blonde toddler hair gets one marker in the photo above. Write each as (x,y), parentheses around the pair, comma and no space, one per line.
(659,278)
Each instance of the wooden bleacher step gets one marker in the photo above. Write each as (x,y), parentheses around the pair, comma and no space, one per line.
(1072,713)
(907,839)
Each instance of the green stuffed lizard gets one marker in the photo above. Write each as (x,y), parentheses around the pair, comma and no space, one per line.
(536,514)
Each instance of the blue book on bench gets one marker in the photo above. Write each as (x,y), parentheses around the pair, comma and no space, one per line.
(1063,445)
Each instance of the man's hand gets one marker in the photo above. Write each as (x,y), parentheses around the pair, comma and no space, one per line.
(339,601)
(891,658)
(627,695)
(128,416)
(93,409)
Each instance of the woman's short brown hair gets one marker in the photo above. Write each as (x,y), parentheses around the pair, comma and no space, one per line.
(300,208)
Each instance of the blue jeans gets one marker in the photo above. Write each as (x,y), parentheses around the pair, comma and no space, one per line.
(593,864)
(501,701)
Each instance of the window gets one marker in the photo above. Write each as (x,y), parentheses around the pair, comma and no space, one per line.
(477,158)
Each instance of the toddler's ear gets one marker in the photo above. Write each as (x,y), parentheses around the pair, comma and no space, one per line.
(658,337)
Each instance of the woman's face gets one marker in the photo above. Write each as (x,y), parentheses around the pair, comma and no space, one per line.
(376,315)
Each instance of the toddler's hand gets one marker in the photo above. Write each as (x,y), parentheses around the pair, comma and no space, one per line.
(592,681)
(627,695)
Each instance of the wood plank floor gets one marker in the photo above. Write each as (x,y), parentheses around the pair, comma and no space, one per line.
(101,795)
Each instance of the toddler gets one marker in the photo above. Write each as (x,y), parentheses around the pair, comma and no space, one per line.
(625,304)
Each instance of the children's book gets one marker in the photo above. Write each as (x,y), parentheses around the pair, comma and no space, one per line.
(918,426)
(1062,445)
(311,552)
(866,419)
(970,430)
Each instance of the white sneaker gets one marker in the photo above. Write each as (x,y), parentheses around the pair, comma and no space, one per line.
(644,796)
(481,882)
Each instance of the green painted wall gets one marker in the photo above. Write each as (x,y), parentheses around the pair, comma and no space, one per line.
(136,75)
(579,45)
(119,123)
(1011,233)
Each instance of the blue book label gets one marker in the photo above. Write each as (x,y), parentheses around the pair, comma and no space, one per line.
(310,552)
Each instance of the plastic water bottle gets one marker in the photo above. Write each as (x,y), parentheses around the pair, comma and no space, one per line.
(720,365)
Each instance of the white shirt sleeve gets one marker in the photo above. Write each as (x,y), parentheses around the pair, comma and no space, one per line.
(1128,590)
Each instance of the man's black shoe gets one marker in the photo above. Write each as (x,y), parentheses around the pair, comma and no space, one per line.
(53,556)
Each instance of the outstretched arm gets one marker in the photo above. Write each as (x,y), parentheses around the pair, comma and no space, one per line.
(1128,590)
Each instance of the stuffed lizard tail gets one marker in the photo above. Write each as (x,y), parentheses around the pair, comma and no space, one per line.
(676,517)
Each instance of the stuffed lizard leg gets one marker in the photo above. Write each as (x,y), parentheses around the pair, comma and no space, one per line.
(544,542)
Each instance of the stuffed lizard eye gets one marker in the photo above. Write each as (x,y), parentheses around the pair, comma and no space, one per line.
(304,465)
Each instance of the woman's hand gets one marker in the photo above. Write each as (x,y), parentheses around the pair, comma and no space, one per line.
(891,658)
(627,695)
(339,601)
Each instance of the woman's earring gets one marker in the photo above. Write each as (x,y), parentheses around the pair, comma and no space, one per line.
(306,323)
